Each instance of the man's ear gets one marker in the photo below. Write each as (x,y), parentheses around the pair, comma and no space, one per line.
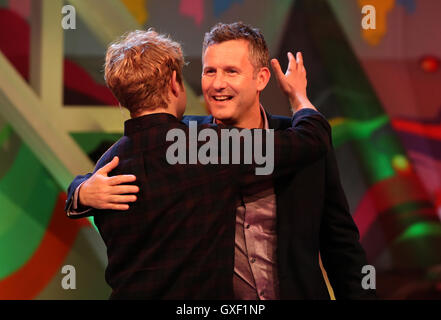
(174,85)
(263,77)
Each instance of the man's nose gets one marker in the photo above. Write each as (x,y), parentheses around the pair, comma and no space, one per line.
(219,82)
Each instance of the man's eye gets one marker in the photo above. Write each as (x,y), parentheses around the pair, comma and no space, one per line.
(232,71)
(209,72)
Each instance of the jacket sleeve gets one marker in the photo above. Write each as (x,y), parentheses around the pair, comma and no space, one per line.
(342,255)
(307,140)
(70,195)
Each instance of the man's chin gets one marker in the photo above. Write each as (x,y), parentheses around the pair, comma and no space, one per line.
(224,117)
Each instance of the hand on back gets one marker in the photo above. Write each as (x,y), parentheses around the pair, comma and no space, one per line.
(103,192)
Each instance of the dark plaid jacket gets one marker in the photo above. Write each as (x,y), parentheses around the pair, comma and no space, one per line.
(177,240)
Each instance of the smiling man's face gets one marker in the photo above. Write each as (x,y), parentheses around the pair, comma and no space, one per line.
(230,83)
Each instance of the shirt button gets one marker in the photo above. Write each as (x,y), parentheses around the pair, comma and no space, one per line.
(262,293)
(253,260)
(247,226)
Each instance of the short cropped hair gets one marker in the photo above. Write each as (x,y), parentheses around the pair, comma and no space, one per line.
(258,50)
(139,67)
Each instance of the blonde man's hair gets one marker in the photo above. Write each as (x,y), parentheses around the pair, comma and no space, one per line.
(139,67)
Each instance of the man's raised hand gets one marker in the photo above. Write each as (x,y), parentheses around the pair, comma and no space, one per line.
(103,192)
(293,82)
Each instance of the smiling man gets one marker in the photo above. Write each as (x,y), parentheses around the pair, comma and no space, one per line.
(230,81)
(280,230)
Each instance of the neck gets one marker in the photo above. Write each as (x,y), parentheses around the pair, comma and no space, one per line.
(254,119)
(168,110)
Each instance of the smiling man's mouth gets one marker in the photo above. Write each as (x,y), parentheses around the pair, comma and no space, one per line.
(222,98)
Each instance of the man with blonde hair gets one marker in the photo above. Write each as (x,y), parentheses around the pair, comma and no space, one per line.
(176,241)
(139,69)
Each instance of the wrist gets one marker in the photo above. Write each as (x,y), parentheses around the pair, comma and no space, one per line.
(300,103)
(81,202)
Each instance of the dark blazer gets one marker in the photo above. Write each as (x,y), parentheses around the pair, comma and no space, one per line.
(325,225)
(177,240)
(313,217)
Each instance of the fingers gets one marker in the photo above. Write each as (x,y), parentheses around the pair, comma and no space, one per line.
(299,59)
(121,199)
(300,62)
(277,69)
(292,81)
(114,206)
(295,63)
(115,202)
(109,167)
(292,64)
(280,77)
(123,189)
(120,179)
